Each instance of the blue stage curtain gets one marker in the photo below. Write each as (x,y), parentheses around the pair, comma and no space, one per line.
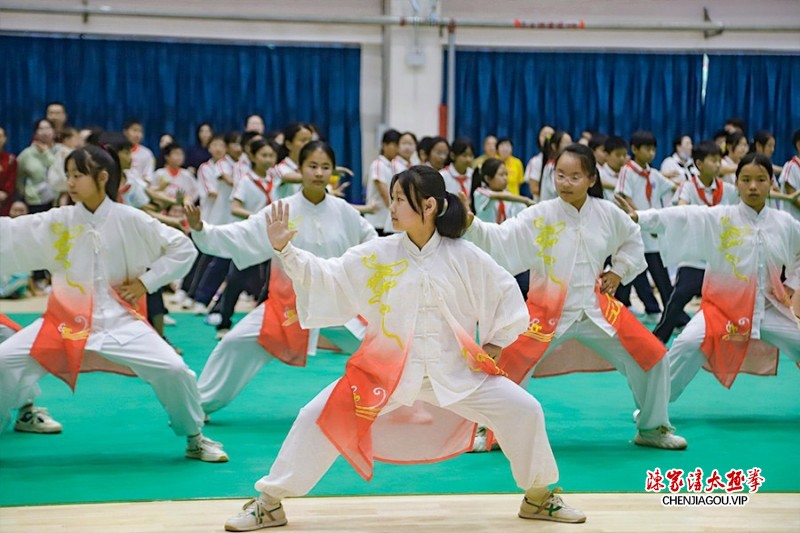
(763,90)
(173,86)
(514,93)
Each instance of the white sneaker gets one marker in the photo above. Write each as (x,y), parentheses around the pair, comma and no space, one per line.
(661,437)
(221,334)
(187,303)
(205,449)
(179,297)
(552,508)
(199,308)
(213,319)
(258,513)
(169,321)
(36,420)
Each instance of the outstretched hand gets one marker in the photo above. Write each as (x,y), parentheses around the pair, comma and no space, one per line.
(278,229)
(193,216)
(626,205)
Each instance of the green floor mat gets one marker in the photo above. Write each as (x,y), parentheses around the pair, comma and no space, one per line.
(116,444)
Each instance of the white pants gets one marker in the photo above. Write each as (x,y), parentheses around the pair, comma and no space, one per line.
(686,358)
(650,389)
(515,417)
(236,359)
(149,356)
(26,396)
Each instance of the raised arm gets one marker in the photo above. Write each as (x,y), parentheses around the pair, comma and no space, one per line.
(244,242)
(26,243)
(511,244)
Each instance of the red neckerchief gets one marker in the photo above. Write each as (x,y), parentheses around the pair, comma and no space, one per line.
(462,180)
(173,174)
(717,192)
(123,190)
(265,188)
(501,212)
(646,175)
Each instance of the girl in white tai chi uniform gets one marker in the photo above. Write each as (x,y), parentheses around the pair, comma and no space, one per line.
(423,292)
(104,257)
(327,226)
(747,313)
(575,322)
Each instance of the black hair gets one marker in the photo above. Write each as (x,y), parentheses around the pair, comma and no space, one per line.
(424,145)
(550,149)
(736,122)
(92,160)
(311,147)
(171,147)
(56,102)
(705,149)
(732,140)
(247,139)
(597,140)
(117,142)
(216,137)
(487,170)
(421,182)
(585,155)
(434,142)
(131,122)
(95,135)
(643,138)
(390,136)
(539,133)
(502,140)
(258,144)
(461,145)
(754,158)
(289,133)
(678,139)
(414,137)
(272,135)
(762,137)
(795,138)
(615,143)
(39,121)
(233,137)
(199,127)
(720,133)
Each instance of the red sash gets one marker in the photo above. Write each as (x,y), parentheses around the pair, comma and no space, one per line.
(501,211)
(281,334)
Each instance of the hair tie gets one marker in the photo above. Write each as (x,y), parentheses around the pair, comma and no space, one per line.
(444,208)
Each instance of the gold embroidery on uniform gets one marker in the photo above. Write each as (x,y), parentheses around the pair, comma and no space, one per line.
(291,317)
(66,331)
(380,283)
(547,238)
(612,311)
(733,333)
(732,236)
(535,332)
(294,223)
(369,412)
(63,245)
(479,358)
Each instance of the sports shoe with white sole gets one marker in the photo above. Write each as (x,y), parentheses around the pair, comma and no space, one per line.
(552,508)
(36,420)
(179,297)
(205,449)
(199,308)
(479,443)
(258,513)
(169,321)
(661,437)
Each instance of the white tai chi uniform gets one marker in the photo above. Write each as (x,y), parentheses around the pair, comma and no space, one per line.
(723,236)
(556,241)
(328,228)
(124,244)
(447,277)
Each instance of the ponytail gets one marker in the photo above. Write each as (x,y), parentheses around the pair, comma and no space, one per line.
(421,182)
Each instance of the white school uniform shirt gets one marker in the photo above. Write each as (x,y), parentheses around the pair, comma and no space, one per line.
(445,276)
(686,169)
(774,234)
(791,176)
(489,209)
(533,170)
(455,182)
(143,162)
(125,244)
(253,191)
(171,182)
(285,189)
(547,187)
(134,192)
(608,174)
(56,175)
(216,209)
(379,171)
(730,178)
(633,184)
(399,165)
(230,167)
